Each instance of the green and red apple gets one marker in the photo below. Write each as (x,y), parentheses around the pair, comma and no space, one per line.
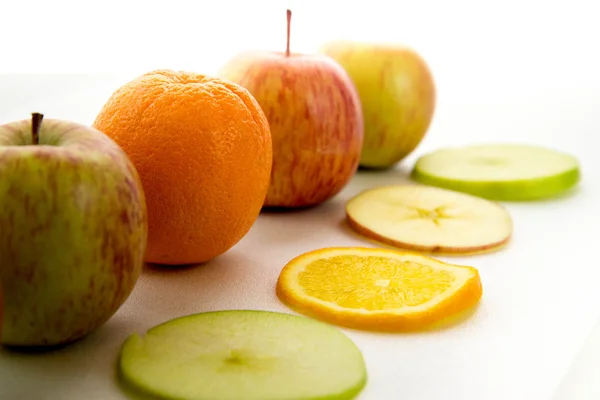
(315,117)
(397,93)
(73,230)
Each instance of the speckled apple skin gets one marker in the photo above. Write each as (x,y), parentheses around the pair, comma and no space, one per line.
(316,122)
(73,231)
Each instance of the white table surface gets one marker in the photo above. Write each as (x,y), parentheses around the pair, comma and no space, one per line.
(541,296)
(581,381)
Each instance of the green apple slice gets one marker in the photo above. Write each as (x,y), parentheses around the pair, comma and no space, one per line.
(504,172)
(243,355)
(429,219)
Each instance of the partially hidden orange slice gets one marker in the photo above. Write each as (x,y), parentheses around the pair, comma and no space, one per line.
(377,289)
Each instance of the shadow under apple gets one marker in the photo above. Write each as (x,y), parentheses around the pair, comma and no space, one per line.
(154,268)
(290,209)
(15,349)
(366,178)
(67,369)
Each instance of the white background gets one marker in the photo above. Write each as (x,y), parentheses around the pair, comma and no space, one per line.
(526,71)
(483,53)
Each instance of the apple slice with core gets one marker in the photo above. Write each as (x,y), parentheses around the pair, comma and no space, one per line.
(504,172)
(429,219)
(243,354)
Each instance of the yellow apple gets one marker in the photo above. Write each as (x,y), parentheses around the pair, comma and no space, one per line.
(398,96)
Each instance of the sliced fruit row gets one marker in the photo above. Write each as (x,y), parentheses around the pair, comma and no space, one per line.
(265,355)
(370,288)
(451,209)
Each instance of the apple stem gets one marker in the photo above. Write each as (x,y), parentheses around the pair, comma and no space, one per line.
(36,123)
(289,21)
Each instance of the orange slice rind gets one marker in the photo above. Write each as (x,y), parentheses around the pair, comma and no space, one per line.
(377,289)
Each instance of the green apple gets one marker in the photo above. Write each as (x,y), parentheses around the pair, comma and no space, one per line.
(315,118)
(398,96)
(242,355)
(73,230)
(502,172)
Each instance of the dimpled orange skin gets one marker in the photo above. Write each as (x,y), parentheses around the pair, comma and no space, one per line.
(202,147)
(316,121)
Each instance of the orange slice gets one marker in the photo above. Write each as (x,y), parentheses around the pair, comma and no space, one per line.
(377,289)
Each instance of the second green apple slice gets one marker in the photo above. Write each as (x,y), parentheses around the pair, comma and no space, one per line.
(243,355)
(504,172)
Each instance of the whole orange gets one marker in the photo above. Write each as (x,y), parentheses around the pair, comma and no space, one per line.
(203,150)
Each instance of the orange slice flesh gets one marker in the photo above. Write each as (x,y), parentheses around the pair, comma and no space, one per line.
(377,289)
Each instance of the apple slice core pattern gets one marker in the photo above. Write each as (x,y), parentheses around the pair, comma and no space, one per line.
(508,172)
(429,219)
(243,355)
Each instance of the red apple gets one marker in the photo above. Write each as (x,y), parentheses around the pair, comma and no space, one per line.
(316,121)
